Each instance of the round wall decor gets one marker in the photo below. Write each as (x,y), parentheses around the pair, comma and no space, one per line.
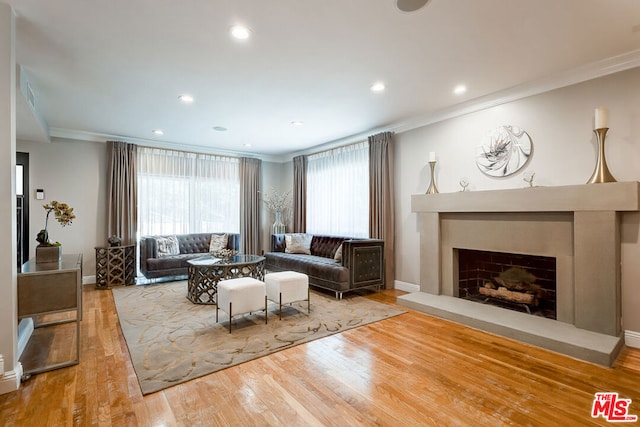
(504,151)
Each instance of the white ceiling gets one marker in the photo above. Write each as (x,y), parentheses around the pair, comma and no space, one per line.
(105,69)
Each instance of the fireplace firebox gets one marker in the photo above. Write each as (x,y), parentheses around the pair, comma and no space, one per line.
(518,282)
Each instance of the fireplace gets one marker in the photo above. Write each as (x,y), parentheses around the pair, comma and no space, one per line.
(525,283)
(577,226)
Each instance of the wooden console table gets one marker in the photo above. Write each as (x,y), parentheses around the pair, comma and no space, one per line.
(115,265)
(46,292)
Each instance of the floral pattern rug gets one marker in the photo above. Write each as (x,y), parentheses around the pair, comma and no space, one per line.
(172,340)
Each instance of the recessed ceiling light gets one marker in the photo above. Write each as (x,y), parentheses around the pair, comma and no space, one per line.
(186,98)
(219,128)
(247,145)
(158,132)
(411,5)
(378,87)
(296,123)
(239,32)
(460,89)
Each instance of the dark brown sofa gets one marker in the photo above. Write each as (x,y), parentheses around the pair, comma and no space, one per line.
(191,246)
(362,264)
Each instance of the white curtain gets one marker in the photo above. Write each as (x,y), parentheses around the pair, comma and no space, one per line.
(338,191)
(180,192)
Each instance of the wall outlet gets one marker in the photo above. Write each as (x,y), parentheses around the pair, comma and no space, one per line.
(1,366)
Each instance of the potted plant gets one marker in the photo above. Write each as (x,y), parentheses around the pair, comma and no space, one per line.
(46,251)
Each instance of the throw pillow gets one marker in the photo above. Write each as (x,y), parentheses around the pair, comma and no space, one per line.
(298,243)
(168,246)
(338,254)
(218,242)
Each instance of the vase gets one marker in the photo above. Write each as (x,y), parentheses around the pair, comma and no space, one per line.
(278,226)
(48,254)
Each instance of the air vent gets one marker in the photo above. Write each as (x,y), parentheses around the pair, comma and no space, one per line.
(31,98)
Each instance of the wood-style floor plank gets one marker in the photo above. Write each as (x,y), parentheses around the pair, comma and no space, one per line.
(412,369)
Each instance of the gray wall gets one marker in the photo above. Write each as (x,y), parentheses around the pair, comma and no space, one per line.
(560,124)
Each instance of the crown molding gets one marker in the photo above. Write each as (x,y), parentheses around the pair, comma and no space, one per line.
(81,135)
(565,78)
(612,65)
(559,80)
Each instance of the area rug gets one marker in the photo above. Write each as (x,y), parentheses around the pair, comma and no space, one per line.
(172,340)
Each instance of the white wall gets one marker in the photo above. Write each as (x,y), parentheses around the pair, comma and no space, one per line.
(10,375)
(560,124)
(73,172)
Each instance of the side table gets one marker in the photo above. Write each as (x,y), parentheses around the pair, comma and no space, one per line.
(115,265)
(51,294)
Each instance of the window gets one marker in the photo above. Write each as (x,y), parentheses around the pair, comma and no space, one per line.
(338,191)
(180,193)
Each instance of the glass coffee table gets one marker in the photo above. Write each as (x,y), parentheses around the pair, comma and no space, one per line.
(205,272)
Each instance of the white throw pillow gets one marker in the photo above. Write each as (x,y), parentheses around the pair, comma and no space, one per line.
(338,254)
(298,243)
(218,242)
(168,246)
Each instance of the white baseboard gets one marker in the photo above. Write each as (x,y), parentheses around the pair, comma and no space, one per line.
(10,381)
(89,280)
(632,339)
(405,286)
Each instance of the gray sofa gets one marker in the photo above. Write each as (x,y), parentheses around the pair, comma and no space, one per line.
(191,246)
(361,266)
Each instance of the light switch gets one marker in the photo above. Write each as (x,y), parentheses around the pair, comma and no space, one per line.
(40,194)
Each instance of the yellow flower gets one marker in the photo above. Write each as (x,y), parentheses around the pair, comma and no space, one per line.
(63,214)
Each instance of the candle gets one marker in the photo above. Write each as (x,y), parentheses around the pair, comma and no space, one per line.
(601,118)
(432,156)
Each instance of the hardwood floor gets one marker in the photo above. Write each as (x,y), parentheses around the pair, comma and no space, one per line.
(409,370)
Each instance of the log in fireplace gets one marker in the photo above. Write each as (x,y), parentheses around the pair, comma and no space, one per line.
(525,283)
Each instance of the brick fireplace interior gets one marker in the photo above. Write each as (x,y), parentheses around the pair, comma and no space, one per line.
(524,283)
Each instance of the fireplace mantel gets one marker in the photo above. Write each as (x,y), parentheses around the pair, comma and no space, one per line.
(579,225)
(612,196)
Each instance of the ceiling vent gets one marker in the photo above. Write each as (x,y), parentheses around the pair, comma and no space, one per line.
(411,5)
(31,98)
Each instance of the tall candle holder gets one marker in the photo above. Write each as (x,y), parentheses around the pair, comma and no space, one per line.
(432,188)
(601,172)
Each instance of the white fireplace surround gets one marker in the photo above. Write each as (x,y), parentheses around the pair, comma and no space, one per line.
(578,225)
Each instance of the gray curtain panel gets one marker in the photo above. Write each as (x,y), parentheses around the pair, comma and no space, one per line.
(381,206)
(300,194)
(122,190)
(250,172)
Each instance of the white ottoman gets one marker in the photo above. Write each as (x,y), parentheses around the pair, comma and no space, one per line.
(241,295)
(286,287)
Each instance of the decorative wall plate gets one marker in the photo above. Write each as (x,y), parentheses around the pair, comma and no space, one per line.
(504,150)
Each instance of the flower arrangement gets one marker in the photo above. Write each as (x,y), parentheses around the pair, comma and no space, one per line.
(224,253)
(277,201)
(63,213)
